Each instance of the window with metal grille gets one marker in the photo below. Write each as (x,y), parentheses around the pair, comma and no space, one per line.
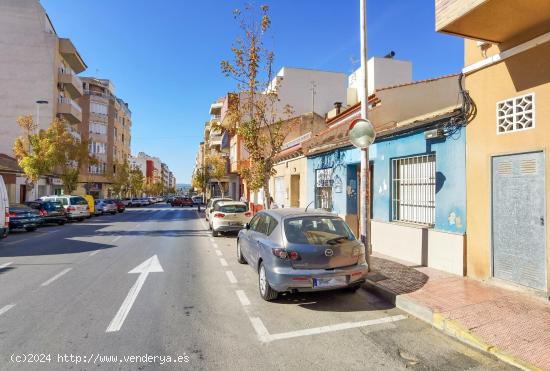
(516,114)
(413,189)
(323,189)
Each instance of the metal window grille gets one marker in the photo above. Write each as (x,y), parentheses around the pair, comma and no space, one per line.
(413,189)
(323,189)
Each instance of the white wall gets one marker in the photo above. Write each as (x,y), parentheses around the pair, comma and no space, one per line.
(295,90)
(381,72)
(27,67)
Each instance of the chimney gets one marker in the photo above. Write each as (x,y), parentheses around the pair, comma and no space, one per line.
(338,107)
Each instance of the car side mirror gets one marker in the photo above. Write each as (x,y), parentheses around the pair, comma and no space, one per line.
(247,226)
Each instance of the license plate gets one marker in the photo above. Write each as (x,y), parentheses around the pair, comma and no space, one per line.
(330,282)
(234,224)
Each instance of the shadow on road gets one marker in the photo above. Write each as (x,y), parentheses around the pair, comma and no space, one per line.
(335,301)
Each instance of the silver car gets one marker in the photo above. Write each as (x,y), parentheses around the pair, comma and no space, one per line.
(293,251)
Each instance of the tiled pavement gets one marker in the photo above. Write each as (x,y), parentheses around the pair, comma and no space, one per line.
(513,325)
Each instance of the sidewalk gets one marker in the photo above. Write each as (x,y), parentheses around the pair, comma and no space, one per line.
(513,326)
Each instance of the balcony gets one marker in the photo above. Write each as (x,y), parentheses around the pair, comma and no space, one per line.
(71,55)
(215,140)
(69,110)
(71,82)
(494,21)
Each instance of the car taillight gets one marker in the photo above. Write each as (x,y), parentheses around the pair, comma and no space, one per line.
(219,215)
(43,213)
(280,253)
(293,255)
(87,207)
(7,217)
(12,215)
(71,208)
(248,213)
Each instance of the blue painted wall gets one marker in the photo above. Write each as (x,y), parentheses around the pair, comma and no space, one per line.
(450,198)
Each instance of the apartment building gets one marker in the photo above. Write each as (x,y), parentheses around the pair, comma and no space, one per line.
(38,76)
(507,75)
(106,126)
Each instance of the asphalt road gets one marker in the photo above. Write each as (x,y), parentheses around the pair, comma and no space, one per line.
(68,301)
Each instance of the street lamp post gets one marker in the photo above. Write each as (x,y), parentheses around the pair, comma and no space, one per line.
(362,135)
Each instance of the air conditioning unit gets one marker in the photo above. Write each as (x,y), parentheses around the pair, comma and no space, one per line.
(434,134)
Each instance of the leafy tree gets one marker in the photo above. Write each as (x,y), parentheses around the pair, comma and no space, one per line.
(217,165)
(257,117)
(201,178)
(121,179)
(135,181)
(34,151)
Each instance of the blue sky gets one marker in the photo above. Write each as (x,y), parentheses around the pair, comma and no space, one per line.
(163,56)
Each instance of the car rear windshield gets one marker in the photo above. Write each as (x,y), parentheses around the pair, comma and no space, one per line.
(53,205)
(78,201)
(233,209)
(317,230)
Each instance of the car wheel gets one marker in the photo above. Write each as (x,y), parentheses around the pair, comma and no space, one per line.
(266,292)
(80,219)
(240,257)
(214,233)
(30,229)
(61,222)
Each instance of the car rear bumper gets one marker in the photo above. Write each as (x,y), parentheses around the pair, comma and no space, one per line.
(288,279)
(3,232)
(22,224)
(78,216)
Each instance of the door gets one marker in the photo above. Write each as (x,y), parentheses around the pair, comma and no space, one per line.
(295,191)
(22,193)
(519,219)
(280,191)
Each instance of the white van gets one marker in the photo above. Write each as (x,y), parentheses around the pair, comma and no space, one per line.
(4,210)
(76,206)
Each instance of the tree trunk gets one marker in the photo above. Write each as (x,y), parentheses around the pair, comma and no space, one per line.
(267,196)
(221,189)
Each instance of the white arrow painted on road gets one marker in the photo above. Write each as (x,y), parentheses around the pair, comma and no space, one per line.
(151,265)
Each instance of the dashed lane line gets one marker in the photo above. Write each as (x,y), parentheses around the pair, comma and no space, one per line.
(223,262)
(218,252)
(231,277)
(5,308)
(56,277)
(2,266)
(242,298)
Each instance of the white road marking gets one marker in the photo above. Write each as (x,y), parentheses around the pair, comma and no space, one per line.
(5,308)
(260,329)
(116,239)
(5,265)
(212,240)
(242,298)
(151,265)
(223,262)
(231,277)
(93,253)
(218,252)
(265,337)
(215,245)
(56,276)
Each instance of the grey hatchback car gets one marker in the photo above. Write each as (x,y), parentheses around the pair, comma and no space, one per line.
(296,251)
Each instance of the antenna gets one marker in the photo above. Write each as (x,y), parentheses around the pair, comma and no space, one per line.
(309,205)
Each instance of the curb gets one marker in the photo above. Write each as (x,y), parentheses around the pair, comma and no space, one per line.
(446,325)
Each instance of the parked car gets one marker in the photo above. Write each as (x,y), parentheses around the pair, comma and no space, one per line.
(181,201)
(76,206)
(4,210)
(198,200)
(108,206)
(145,201)
(211,204)
(98,207)
(126,201)
(293,250)
(229,216)
(50,211)
(24,217)
(120,206)
(91,204)
(135,202)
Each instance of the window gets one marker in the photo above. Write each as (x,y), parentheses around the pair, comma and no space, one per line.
(413,189)
(272,225)
(317,230)
(263,224)
(516,114)
(98,108)
(98,128)
(97,148)
(323,189)
(97,169)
